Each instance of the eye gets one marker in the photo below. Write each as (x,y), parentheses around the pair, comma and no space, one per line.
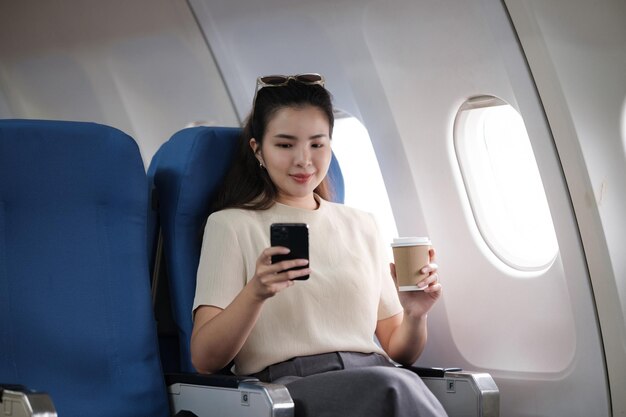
(317,145)
(284,145)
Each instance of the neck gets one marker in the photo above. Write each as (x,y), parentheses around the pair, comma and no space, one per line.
(307,203)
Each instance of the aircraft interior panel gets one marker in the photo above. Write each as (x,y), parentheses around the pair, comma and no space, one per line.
(537,304)
(456,48)
(4,103)
(105,62)
(553,334)
(578,63)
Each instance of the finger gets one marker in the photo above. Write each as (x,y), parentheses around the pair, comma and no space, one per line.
(429,269)
(285,276)
(429,280)
(296,273)
(265,258)
(274,250)
(433,288)
(392,271)
(431,254)
(279,273)
(288,264)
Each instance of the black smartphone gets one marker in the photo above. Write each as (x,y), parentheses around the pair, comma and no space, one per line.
(294,236)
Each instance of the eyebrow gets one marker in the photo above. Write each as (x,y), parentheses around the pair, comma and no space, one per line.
(291,137)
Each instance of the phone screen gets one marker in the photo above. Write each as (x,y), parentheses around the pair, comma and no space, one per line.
(294,236)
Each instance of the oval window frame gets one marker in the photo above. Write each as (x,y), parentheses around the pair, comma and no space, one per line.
(460,143)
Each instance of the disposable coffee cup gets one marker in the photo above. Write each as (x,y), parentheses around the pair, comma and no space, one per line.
(410,254)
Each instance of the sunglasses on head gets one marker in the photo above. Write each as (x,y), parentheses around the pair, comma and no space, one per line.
(280,80)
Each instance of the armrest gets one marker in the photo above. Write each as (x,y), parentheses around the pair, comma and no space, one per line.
(18,401)
(210,380)
(431,372)
(227,395)
(462,393)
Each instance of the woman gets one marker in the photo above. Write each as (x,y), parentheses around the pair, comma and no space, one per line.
(314,336)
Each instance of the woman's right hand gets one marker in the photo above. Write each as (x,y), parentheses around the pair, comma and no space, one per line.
(219,334)
(269,279)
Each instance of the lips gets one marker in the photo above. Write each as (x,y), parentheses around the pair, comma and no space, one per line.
(301,178)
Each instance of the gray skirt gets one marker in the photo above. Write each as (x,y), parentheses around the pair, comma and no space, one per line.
(350,384)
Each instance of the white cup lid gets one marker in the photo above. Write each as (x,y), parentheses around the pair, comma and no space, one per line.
(410,241)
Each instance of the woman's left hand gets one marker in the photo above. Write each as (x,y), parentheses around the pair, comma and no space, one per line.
(419,303)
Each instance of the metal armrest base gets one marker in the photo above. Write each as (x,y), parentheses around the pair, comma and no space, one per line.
(245,398)
(17,401)
(462,393)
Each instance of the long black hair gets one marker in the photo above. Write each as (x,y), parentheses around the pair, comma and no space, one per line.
(247,184)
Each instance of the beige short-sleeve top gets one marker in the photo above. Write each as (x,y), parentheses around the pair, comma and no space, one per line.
(337,309)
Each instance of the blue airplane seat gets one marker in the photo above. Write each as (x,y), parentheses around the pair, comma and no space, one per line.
(76,319)
(188,170)
(182,209)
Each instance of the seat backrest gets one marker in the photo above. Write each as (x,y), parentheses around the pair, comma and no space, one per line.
(188,170)
(75,310)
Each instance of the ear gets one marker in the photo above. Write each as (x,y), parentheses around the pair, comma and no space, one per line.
(256,149)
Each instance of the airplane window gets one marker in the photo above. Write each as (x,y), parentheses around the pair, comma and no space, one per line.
(503,184)
(364,185)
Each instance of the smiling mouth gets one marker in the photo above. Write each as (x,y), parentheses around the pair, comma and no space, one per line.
(301,178)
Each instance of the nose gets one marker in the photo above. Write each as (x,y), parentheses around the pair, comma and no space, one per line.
(303,156)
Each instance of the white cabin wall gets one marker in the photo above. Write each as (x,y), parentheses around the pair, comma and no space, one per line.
(404,69)
(5,110)
(530,331)
(577,53)
(141,66)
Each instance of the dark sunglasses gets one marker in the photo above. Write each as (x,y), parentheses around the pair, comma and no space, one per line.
(282,80)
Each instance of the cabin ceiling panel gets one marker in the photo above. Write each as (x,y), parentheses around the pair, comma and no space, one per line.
(140,66)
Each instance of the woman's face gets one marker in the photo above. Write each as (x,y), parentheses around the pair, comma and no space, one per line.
(296,153)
